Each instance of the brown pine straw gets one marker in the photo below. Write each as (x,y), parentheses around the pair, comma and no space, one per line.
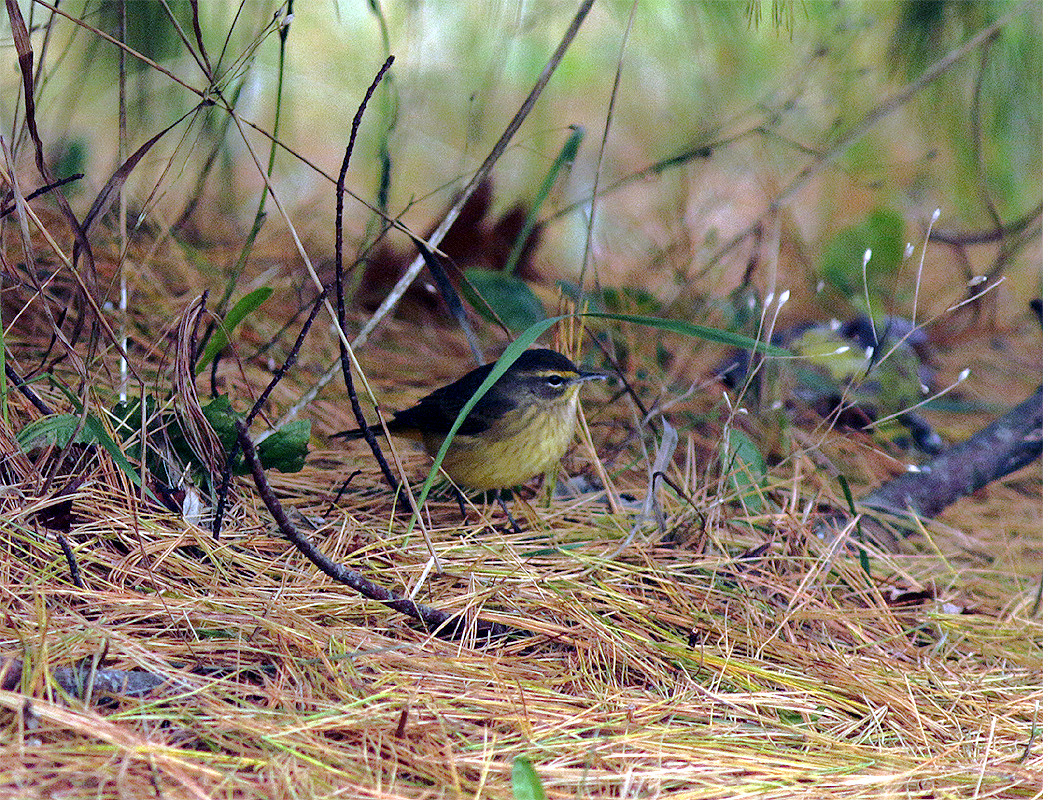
(662,672)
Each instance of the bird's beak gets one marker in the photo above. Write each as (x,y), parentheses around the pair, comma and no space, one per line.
(591,375)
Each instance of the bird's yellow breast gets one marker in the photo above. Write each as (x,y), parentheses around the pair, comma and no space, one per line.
(522,444)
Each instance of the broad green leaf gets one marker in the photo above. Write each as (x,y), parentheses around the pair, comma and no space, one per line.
(886,233)
(509,297)
(630,299)
(222,418)
(55,429)
(882,232)
(286,449)
(58,429)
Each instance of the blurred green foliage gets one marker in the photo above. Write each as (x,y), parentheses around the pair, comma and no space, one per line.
(765,100)
(746,469)
(499,295)
(883,233)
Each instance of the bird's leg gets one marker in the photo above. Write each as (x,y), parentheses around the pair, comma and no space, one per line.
(503,505)
(461,501)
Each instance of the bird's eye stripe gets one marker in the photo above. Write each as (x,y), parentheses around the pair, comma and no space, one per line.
(556,379)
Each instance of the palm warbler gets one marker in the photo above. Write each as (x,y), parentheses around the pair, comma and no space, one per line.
(519,428)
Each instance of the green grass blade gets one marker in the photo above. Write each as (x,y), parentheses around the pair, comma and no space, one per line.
(239,312)
(698,331)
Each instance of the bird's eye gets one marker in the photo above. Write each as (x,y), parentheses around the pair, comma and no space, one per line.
(555,380)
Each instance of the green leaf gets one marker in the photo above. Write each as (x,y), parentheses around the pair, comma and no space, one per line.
(886,234)
(630,299)
(746,468)
(222,418)
(55,429)
(58,429)
(525,783)
(239,312)
(509,297)
(883,232)
(841,265)
(286,449)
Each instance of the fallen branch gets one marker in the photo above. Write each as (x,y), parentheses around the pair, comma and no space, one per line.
(1008,444)
(86,680)
(451,626)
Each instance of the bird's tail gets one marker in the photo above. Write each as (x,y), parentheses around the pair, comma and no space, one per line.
(355,433)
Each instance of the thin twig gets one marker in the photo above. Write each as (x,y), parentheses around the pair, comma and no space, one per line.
(70,558)
(345,348)
(28,393)
(233,454)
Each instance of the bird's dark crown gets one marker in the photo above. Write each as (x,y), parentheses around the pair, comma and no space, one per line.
(542,360)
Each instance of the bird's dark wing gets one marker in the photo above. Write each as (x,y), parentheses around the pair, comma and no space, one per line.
(437,412)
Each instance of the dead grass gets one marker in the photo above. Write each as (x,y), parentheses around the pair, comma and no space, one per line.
(659,671)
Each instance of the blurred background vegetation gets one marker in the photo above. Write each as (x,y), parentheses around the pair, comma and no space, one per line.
(769,96)
(740,149)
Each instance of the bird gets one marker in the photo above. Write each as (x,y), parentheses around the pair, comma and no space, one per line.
(519,428)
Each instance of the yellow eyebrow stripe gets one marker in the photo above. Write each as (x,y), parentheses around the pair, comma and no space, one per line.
(546,373)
